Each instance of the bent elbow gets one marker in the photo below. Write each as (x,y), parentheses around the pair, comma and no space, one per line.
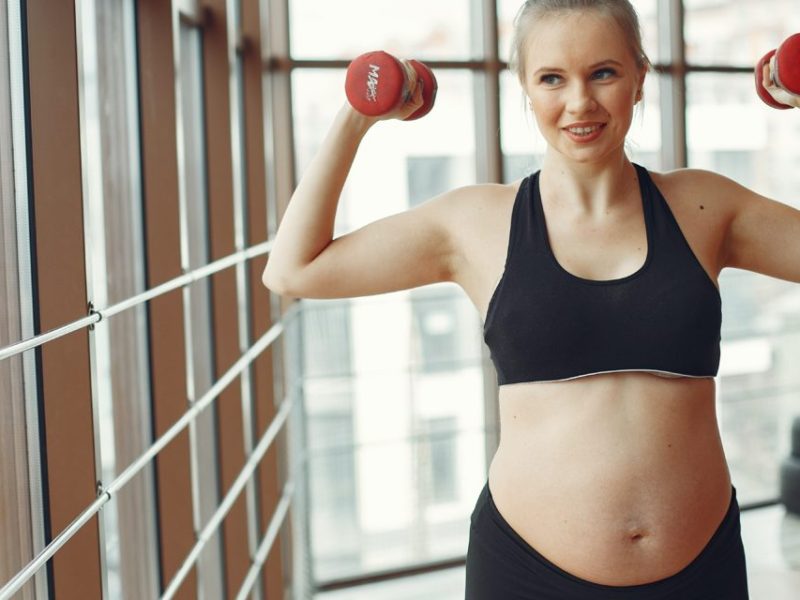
(280,285)
(274,283)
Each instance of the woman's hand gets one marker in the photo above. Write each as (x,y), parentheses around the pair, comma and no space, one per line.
(778,93)
(411,101)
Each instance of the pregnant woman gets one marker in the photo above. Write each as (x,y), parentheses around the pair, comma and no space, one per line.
(597,280)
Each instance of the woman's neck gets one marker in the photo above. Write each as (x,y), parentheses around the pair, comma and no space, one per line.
(590,189)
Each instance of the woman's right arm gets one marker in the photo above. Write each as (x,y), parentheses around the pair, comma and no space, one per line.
(401,251)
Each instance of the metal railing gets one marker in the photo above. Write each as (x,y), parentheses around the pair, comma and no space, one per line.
(97,315)
(105,495)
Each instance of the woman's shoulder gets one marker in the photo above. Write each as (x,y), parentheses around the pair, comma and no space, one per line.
(480,204)
(677,177)
(479,229)
(478,218)
(694,187)
(690,183)
(487,193)
(701,202)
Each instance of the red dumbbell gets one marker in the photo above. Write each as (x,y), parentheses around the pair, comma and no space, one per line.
(377,82)
(786,73)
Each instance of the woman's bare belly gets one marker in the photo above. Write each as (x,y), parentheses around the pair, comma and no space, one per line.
(618,478)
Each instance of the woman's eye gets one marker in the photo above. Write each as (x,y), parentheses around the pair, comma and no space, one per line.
(548,78)
(552,78)
(609,71)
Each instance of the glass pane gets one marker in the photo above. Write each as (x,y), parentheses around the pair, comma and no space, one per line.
(524,146)
(199,305)
(122,361)
(762,144)
(442,330)
(758,384)
(737,32)
(394,468)
(393,153)
(393,384)
(644,137)
(646,9)
(22,521)
(411,29)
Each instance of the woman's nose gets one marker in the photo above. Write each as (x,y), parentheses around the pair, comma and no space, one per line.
(580,98)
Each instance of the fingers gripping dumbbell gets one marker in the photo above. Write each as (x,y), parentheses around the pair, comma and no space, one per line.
(377,83)
(785,68)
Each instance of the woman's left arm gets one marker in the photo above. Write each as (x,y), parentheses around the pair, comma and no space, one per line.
(763,235)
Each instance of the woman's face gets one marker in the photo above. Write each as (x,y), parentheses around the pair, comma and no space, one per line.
(582,81)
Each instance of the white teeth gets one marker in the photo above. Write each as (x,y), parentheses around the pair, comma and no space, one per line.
(584,130)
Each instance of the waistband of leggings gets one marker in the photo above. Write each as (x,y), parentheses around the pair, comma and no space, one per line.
(723,541)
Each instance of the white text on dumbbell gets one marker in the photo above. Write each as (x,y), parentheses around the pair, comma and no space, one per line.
(372,83)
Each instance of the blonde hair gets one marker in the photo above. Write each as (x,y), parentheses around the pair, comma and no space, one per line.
(533,10)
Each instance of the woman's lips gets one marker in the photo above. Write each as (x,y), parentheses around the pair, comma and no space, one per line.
(590,137)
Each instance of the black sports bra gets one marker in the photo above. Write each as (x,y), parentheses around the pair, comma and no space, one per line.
(546,324)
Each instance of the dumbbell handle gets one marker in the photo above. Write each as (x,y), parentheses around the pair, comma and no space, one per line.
(785,69)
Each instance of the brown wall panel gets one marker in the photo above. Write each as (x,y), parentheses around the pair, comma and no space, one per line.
(65,391)
(272,574)
(223,285)
(167,346)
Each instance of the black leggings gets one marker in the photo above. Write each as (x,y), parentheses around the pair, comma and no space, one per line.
(501,565)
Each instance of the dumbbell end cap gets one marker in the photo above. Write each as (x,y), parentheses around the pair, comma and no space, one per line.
(429,89)
(374,83)
(787,71)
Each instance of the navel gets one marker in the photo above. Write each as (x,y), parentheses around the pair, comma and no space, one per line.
(637,533)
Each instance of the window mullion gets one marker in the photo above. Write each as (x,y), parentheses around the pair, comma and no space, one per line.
(673,85)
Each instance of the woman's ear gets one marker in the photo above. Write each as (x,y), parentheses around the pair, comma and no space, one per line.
(640,86)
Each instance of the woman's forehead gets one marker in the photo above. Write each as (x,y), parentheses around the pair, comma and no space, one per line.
(574,40)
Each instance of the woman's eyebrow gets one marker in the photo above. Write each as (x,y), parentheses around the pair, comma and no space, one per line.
(602,62)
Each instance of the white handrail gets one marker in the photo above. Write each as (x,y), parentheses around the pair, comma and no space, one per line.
(96,315)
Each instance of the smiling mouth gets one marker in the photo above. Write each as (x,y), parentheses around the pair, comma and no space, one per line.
(584,131)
